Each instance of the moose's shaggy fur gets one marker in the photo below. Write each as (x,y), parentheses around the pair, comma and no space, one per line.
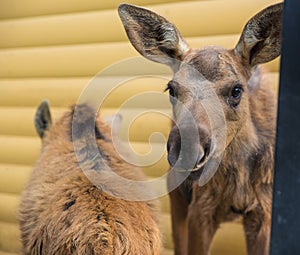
(63,213)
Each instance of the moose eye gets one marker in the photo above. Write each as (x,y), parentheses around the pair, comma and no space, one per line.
(172,92)
(236,92)
(235,96)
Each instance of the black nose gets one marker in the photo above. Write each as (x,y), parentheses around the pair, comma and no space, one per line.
(191,152)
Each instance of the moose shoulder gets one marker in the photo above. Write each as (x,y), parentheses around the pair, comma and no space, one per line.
(242,184)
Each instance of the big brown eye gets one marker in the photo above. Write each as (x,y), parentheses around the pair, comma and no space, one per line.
(235,96)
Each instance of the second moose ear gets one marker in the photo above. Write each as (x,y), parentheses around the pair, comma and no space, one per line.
(42,119)
(152,35)
(260,41)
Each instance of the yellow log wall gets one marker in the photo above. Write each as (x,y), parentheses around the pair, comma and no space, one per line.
(53,49)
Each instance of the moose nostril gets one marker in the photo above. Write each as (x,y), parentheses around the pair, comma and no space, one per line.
(207,149)
(202,156)
(200,159)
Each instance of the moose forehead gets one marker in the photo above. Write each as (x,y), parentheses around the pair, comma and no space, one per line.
(214,63)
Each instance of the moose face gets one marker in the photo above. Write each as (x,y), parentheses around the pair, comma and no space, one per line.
(208,78)
(211,88)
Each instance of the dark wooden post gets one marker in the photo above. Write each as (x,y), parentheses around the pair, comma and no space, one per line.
(285,233)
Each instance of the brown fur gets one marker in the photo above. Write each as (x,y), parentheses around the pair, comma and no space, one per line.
(62,212)
(242,185)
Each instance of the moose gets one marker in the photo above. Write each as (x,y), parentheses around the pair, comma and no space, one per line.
(63,212)
(240,185)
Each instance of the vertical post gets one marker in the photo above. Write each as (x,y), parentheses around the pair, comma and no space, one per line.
(285,233)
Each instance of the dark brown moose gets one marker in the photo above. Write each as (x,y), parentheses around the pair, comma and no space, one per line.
(240,185)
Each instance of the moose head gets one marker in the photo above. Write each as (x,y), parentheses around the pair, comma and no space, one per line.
(211,87)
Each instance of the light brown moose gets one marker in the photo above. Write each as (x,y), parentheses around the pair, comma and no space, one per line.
(242,184)
(62,212)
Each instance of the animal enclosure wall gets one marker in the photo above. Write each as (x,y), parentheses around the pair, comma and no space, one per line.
(53,49)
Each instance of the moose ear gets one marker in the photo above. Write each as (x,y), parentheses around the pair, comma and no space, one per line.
(152,35)
(260,41)
(43,118)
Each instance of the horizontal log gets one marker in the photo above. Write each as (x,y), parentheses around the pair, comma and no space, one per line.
(74,61)
(211,18)
(19,149)
(91,59)
(11,9)
(9,207)
(64,91)
(10,238)
(13,178)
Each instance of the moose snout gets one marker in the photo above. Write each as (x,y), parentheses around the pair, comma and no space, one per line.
(188,149)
